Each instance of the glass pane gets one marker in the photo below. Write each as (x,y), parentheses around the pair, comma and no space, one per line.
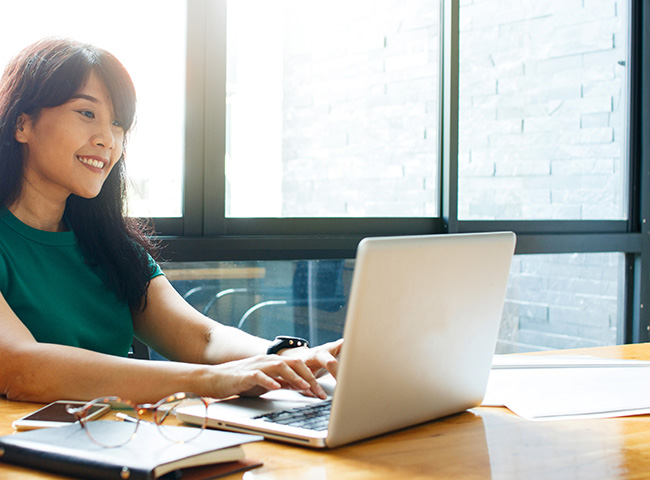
(552,302)
(307,298)
(332,108)
(542,109)
(562,301)
(148,37)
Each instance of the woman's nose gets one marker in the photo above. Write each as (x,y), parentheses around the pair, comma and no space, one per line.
(105,137)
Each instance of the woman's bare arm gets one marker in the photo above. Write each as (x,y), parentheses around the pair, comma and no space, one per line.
(33,371)
(179,332)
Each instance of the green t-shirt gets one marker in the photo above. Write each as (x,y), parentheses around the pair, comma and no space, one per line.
(59,298)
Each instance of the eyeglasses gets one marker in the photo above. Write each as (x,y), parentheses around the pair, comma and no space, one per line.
(124,411)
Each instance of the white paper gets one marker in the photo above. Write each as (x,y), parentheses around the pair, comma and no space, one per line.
(569,387)
(561,361)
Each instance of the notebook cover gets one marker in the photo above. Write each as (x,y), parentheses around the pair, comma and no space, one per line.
(68,450)
(210,472)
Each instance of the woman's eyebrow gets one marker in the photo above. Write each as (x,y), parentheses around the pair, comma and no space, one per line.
(83,96)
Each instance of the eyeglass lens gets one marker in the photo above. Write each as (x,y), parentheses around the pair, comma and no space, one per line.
(165,416)
(113,434)
(125,416)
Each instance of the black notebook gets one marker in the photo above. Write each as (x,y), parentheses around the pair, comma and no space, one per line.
(68,450)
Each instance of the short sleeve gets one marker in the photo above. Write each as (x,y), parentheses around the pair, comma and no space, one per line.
(154,268)
(4,275)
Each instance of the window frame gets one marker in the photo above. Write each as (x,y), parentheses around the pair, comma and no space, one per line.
(205,234)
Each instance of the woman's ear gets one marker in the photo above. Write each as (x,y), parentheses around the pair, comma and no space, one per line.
(20,128)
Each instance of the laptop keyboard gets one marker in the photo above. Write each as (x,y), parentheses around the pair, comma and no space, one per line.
(314,416)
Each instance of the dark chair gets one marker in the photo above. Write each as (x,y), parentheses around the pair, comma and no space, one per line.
(139,350)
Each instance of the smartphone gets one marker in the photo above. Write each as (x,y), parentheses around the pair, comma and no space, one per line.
(56,415)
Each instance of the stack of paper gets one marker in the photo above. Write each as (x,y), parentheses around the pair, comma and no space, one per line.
(550,387)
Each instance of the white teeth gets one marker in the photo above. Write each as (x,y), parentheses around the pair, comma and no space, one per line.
(91,162)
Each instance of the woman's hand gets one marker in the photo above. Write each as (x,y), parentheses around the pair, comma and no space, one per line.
(257,375)
(294,369)
(321,359)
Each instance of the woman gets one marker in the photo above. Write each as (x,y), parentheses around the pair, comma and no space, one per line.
(77,280)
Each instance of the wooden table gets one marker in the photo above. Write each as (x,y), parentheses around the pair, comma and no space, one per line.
(481,443)
(219,273)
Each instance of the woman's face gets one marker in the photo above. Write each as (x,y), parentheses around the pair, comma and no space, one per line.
(71,148)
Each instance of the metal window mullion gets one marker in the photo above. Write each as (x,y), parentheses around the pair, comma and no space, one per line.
(449,126)
(194,115)
(639,12)
(214,179)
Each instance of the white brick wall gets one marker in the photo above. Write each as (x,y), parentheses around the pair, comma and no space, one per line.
(542,90)
(370,147)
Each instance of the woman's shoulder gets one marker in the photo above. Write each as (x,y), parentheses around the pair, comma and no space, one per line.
(15,232)
(5,222)
(3,251)
(4,212)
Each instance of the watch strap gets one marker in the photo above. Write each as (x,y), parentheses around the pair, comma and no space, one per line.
(282,342)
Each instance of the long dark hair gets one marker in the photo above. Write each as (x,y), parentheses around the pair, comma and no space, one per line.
(45,75)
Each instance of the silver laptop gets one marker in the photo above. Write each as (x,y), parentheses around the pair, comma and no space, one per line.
(421,328)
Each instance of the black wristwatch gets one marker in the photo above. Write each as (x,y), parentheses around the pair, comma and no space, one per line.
(282,342)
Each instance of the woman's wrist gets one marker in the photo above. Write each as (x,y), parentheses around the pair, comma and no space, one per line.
(283,342)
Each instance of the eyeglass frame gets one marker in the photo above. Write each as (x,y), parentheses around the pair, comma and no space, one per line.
(81,414)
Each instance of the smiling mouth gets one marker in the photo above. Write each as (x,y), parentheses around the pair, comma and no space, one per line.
(92,162)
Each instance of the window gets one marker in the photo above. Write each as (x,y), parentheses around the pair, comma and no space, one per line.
(539,137)
(553,301)
(543,135)
(148,37)
(562,301)
(332,109)
(310,126)
(306,298)
(543,110)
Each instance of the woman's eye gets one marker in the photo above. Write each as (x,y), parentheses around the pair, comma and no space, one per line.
(117,123)
(87,113)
